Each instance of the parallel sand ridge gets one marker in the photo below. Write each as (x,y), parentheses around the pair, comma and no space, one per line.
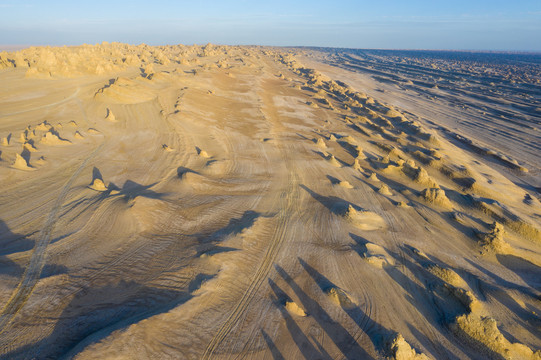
(231,202)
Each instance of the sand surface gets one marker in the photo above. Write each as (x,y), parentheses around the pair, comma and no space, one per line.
(210,202)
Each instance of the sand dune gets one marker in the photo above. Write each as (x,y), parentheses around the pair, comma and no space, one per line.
(239,202)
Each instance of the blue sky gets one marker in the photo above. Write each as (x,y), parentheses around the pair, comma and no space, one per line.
(391,24)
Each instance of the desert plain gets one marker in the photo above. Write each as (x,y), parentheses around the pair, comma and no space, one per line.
(245,202)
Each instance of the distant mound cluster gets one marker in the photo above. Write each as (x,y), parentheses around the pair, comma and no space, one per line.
(101,59)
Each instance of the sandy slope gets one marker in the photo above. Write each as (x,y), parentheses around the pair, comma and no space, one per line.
(230,202)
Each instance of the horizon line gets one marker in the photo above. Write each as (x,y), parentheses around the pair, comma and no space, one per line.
(18,47)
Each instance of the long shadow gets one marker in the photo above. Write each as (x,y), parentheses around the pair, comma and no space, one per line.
(429,344)
(181,171)
(529,320)
(207,242)
(501,281)
(332,179)
(446,216)
(276,354)
(447,307)
(96,174)
(350,149)
(96,312)
(336,332)
(301,340)
(131,190)
(52,269)
(235,226)
(335,204)
(443,311)
(377,333)
(360,244)
(11,243)
(25,154)
(529,272)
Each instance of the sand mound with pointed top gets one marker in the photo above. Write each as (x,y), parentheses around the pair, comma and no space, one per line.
(364,220)
(5,141)
(321,143)
(436,196)
(295,309)
(377,256)
(203,154)
(125,91)
(166,147)
(484,332)
(44,126)
(384,190)
(400,350)
(110,116)
(21,164)
(98,185)
(50,138)
(332,161)
(494,239)
(340,298)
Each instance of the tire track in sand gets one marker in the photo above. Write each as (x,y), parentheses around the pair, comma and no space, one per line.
(37,261)
(288,205)
(287,200)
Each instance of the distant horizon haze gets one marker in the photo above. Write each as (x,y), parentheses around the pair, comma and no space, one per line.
(417,25)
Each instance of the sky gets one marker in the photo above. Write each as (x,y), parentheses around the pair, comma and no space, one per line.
(513,25)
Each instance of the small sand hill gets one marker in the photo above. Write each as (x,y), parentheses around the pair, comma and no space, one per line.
(44,126)
(21,163)
(345,184)
(436,196)
(373,177)
(110,116)
(5,140)
(29,146)
(125,91)
(202,153)
(384,190)
(166,147)
(399,349)
(483,331)
(365,220)
(356,165)
(321,143)
(340,298)
(377,256)
(332,161)
(475,325)
(98,185)
(493,240)
(294,309)
(78,135)
(52,138)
